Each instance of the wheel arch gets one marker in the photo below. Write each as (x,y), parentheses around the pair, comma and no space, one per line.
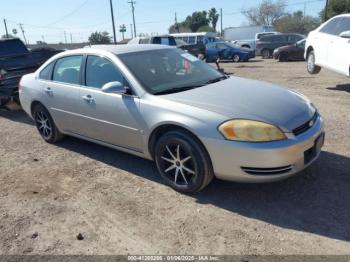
(160,130)
(33,104)
(308,50)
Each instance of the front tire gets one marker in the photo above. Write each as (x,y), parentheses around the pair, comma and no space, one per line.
(266,53)
(45,125)
(183,162)
(312,68)
(283,57)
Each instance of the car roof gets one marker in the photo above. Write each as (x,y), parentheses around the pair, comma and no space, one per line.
(343,15)
(122,49)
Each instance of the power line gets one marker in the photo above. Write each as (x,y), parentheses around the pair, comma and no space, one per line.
(71,13)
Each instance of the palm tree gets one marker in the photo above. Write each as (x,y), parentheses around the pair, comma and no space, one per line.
(213,18)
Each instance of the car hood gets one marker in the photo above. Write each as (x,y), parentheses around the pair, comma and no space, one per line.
(239,98)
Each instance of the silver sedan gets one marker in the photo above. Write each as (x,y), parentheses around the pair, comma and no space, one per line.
(163,104)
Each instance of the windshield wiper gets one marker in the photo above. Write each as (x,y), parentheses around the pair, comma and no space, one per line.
(218,79)
(176,89)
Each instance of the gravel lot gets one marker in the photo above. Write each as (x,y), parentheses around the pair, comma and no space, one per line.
(51,193)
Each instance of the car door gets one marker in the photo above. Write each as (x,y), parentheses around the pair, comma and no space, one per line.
(339,48)
(61,91)
(324,40)
(107,117)
(224,51)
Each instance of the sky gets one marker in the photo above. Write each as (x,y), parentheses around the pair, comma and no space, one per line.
(64,20)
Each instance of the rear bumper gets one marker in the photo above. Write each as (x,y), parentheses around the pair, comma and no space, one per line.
(264,162)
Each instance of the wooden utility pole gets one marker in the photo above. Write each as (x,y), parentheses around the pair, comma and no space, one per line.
(326,11)
(113,25)
(7,33)
(133,14)
(222,34)
(24,36)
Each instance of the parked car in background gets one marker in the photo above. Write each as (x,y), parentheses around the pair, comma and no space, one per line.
(198,50)
(15,61)
(267,44)
(158,40)
(228,51)
(293,52)
(329,46)
(162,104)
(247,36)
(196,38)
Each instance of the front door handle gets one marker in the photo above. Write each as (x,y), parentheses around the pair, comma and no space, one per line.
(48,91)
(88,98)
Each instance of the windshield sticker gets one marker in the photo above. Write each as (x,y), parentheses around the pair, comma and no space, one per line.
(189,57)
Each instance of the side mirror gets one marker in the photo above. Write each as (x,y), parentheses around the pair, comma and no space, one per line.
(114,88)
(345,34)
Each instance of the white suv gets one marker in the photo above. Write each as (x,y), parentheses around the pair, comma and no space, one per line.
(329,46)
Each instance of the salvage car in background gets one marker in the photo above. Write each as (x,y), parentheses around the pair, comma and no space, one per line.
(164,104)
(293,52)
(329,46)
(198,50)
(228,51)
(267,44)
(15,61)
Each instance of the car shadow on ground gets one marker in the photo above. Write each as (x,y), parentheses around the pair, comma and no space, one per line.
(345,88)
(315,201)
(17,116)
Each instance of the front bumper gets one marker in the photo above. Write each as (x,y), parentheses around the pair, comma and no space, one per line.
(264,162)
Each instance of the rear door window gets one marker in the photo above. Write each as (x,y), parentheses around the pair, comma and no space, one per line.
(192,40)
(67,70)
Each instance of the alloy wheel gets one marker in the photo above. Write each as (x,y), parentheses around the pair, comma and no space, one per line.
(43,124)
(178,165)
(311,62)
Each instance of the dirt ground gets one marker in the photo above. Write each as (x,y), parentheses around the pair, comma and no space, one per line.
(51,193)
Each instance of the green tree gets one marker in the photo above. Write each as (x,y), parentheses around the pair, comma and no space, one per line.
(8,37)
(336,7)
(296,23)
(266,13)
(206,28)
(196,20)
(213,18)
(192,23)
(99,38)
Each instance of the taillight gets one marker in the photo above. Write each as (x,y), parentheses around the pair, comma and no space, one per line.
(2,74)
(20,87)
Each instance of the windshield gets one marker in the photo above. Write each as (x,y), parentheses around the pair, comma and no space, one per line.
(169,70)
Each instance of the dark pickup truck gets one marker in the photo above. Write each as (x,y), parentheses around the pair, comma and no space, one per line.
(15,61)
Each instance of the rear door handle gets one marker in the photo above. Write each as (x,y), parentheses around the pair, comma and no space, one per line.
(48,91)
(88,98)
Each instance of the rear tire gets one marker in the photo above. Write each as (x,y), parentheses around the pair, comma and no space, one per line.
(236,58)
(183,162)
(45,125)
(266,53)
(312,68)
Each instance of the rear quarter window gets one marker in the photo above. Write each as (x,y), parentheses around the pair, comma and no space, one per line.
(46,73)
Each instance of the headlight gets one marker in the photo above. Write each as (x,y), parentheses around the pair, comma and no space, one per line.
(250,131)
